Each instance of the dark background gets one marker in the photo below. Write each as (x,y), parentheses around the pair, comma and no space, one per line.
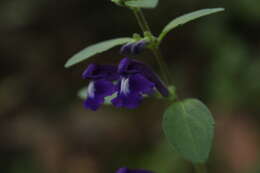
(45,129)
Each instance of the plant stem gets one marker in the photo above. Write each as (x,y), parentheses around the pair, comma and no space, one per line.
(200,168)
(144,21)
(163,66)
(155,49)
(140,23)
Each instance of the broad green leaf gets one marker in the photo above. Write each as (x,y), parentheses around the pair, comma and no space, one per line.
(82,93)
(142,3)
(96,49)
(187,18)
(189,127)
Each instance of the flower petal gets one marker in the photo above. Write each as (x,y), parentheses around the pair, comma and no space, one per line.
(130,91)
(140,84)
(128,66)
(159,84)
(97,90)
(122,170)
(126,49)
(138,47)
(93,103)
(94,71)
(88,73)
(103,88)
(130,101)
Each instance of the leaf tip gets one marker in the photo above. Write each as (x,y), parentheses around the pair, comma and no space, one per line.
(220,9)
(70,63)
(67,64)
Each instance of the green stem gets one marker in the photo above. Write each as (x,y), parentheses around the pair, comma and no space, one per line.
(140,23)
(155,49)
(200,168)
(163,66)
(144,21)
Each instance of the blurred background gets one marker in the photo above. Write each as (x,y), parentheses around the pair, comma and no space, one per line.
(44,127)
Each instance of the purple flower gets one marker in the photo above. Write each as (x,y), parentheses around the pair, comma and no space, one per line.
(133,48)
(126,170)
(136,80)
(101,84)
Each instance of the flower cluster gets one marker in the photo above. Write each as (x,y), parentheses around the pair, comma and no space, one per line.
(129,81)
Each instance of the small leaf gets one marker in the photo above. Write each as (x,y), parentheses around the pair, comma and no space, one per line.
(96,49)
(82,94)
(142,3)
(189,127)
(186,18)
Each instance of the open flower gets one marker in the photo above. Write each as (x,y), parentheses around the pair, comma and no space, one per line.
(101,84)
(127,170)
(136,80)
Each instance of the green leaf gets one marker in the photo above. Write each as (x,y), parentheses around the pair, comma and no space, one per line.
(189,127)
(96,49)
(82,93)
(142,3)
(187,18)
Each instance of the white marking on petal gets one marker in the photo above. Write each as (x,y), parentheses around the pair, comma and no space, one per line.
(124,86)
(91,89)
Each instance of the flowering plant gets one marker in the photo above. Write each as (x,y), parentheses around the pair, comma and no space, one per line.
(187,124)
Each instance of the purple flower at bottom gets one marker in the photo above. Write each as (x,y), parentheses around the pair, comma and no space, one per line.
(127,170)
(101,84)
(136,80)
